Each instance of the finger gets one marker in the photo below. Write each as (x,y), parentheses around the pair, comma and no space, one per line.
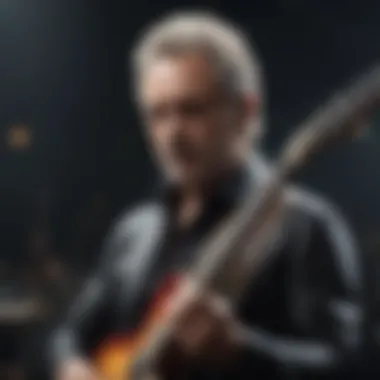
(208,318)
(187,302)
(219,307)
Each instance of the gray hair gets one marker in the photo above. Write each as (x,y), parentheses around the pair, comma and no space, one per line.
(222,42)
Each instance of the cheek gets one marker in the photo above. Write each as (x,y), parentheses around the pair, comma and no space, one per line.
(220,133)
(156,136)
(155,145)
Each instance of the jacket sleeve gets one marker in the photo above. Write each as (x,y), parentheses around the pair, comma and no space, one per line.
(91,313)
(333,284)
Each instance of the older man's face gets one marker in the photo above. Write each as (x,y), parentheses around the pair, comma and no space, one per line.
(191,126)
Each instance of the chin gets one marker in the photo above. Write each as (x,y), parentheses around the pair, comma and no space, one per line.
(185,178)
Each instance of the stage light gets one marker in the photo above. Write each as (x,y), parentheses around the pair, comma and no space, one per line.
(19,137)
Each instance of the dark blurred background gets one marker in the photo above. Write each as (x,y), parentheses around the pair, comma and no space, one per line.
(72,155)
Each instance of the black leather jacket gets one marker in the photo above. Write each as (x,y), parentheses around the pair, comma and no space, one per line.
(304,312)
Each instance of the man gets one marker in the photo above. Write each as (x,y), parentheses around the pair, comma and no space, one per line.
(198,89)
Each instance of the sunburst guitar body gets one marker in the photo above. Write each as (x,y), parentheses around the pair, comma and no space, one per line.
(116,354)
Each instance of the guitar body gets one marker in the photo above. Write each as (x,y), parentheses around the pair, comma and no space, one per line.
(116,354)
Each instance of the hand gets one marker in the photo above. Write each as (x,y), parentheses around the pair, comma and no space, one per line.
(206,329)
(76,369)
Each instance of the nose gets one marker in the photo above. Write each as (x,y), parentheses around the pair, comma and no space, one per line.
(176,124)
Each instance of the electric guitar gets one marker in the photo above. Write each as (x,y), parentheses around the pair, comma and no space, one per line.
(235,252)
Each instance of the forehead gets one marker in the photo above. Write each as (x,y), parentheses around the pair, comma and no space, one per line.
(175,77)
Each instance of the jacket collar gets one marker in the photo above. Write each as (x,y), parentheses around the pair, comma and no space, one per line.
(229,191)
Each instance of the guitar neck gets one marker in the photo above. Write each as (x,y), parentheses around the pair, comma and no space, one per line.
(236,252)
(239,247)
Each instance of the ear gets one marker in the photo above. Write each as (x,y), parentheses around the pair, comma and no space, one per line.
(251,106)
(249,110)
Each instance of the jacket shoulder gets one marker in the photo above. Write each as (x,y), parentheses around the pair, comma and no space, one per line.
(136,216)
(319,214)
(321,218)
(131,223)
(312,207)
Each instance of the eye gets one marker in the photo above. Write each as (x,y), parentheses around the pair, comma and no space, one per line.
(194,109)
(156,113)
